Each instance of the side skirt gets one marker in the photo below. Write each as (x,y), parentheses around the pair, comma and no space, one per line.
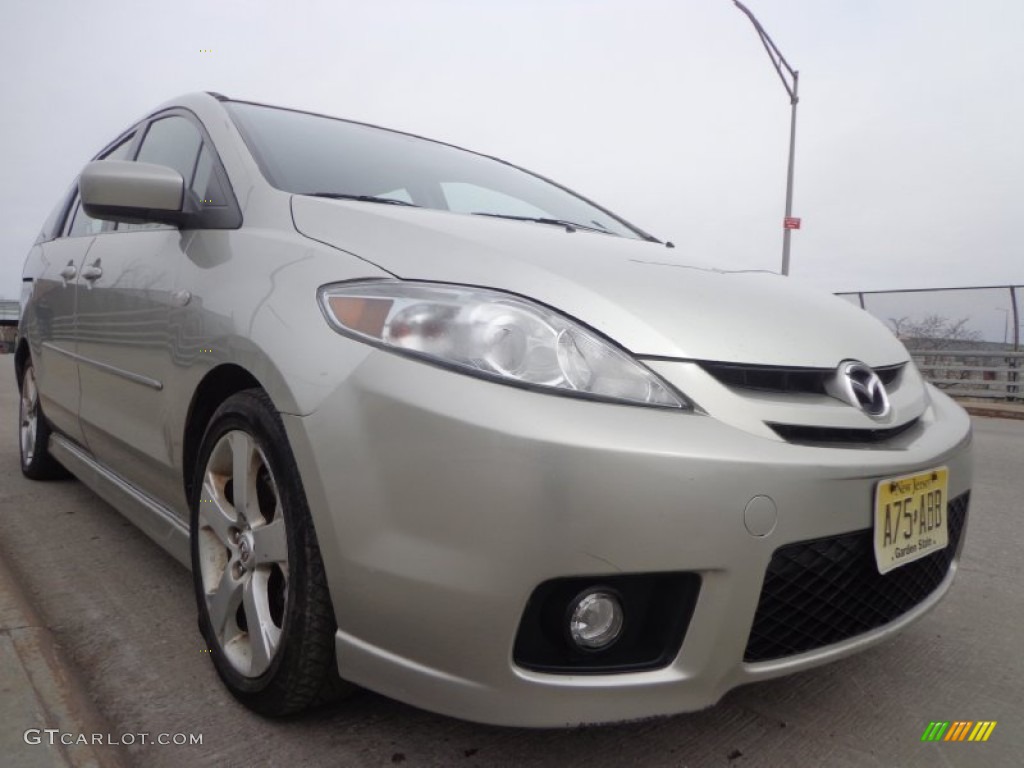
(145,512)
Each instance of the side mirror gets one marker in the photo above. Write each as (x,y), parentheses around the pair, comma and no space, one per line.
(119,190)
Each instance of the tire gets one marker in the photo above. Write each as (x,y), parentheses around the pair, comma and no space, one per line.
(258,563)
(37,463)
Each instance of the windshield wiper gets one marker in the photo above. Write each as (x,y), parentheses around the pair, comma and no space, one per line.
(570,226)
(360,198)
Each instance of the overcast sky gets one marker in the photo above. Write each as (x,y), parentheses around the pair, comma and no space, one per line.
(910,139)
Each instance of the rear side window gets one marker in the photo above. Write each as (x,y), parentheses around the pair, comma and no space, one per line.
(54,223)
(81,222)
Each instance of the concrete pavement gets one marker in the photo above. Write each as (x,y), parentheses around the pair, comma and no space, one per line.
(994,409)
(42,701)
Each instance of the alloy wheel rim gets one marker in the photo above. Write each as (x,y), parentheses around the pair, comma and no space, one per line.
(243,553)
(29,416)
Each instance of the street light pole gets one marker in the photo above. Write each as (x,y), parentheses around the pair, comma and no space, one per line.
(791,85)
(787,230)
(1006,323)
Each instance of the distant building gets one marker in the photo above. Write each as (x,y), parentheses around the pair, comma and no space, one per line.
(9,312)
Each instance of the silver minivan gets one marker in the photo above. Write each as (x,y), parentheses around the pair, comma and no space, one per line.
(422,421)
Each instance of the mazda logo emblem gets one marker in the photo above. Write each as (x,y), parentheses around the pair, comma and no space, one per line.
(855,383)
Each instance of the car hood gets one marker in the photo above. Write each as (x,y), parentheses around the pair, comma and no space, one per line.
(638,293)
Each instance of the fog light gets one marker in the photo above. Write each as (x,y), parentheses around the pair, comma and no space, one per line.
(595,620)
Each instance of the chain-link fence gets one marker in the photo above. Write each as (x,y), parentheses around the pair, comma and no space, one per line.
(964,340)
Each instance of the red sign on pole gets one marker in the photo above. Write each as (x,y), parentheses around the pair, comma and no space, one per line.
(791,222)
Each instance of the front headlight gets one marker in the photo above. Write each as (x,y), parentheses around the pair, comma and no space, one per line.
(493,334)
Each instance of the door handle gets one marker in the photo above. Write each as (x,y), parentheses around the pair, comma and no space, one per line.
(69,272)
(92,272)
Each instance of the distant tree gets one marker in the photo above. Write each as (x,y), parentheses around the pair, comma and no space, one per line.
(933,332)
(932,335)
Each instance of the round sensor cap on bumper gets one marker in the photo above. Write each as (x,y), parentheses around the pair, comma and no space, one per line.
(595,620)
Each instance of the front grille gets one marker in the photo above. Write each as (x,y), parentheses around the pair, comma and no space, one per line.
(827,590)
(784,379)
(804,435)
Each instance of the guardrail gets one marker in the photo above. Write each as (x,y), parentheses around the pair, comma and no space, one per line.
(973,373)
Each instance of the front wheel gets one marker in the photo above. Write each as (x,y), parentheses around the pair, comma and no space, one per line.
(34,432)
(264,609)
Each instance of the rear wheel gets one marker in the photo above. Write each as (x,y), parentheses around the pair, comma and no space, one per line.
(264,608)
(34,433)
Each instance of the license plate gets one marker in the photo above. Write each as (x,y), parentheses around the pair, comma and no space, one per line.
(910,517)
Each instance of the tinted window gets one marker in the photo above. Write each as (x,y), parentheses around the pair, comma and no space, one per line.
(206,184)
(174,142)
(121,151)
(398,194)
(303,153)
(82,224)
(55,221)
(470,198)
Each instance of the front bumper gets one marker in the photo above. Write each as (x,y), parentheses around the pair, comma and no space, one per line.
(442,501)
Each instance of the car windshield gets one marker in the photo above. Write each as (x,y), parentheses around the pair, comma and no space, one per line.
(304,153)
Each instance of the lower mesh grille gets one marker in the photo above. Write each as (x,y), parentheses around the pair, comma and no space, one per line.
(796,433)
(824,591)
